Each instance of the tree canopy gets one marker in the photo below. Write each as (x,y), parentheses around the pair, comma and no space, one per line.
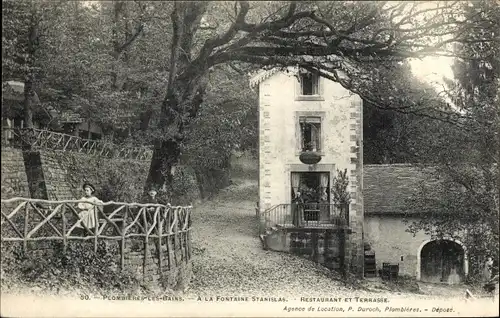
(464,202)
(149,72)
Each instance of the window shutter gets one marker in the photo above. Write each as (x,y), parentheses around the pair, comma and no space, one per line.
(315,83)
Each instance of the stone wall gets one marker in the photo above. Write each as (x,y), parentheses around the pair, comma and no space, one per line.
(63,173)
(387,236)
(320,247)
(14,179)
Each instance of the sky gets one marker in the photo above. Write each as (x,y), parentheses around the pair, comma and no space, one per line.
(432,69)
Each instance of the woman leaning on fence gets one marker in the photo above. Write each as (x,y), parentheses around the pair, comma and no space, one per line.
(88,210)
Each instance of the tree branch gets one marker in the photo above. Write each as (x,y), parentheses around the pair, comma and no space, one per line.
(131,39)
(210,44)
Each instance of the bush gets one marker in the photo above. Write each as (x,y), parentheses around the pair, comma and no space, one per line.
(184,187)
(78,266)
(114,179)
(117,186)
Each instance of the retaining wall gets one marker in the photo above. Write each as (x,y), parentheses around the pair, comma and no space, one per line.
(14,179)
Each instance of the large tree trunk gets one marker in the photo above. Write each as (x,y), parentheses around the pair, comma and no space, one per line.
(183,97)
(28,98)
(29,92)
(145,118)
(165,156)
(177,109)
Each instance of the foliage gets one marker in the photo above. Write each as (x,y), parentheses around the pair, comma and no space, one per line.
(184,187)
(226,121)
(395,136)
(115,180)
(157,72)
(341,195)
(465,199)
(115,188)
(78,266)
(336,38)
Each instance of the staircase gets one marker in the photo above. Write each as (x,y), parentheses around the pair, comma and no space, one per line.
(275,239)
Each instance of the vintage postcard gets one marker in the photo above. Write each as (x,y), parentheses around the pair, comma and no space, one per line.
(250,159)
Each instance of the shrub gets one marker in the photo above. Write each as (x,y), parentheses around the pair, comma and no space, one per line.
(184,187)
(79,266)
(114,179)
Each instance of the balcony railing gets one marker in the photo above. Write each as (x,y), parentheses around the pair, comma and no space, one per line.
(36,139)
(307,215)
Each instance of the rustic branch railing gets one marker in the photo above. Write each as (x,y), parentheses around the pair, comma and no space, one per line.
(26,220)
(311,215)
(44,139)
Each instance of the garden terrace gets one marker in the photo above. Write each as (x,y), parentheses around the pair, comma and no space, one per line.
(36,139)
(152,240)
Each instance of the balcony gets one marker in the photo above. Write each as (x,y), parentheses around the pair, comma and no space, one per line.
(307,216)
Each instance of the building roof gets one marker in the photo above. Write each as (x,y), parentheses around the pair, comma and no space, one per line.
(262,75)
(14,90)
(70,117)
(387,186)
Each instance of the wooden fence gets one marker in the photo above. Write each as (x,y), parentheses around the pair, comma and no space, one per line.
(28,220)
(35,139)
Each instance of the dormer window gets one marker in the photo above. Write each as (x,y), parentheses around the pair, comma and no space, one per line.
(309,84)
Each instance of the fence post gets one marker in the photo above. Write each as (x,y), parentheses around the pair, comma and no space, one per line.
(26,221)
(65,239)
(96,227)
(122,250)
(160,251)
(169,238)
(187,235)
(144,211)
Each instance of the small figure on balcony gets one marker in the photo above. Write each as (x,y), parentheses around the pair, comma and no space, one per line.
(88,214)
(297,208)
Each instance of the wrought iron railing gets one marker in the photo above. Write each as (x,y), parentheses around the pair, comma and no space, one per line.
(28,220)
(307,215)
(35,139)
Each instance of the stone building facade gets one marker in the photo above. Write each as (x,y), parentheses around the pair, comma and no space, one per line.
(378,192)
(386,189)
(289,101)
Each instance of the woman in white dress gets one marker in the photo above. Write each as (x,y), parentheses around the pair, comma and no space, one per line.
(88,211)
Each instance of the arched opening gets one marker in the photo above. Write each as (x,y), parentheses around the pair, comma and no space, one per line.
(443,261)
